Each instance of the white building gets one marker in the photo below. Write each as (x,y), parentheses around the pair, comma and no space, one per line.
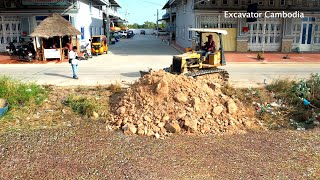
(18,18)
(270,34)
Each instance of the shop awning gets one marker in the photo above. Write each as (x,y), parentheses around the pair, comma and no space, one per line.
(166,6)
(114,3)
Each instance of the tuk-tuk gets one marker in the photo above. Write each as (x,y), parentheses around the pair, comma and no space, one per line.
(99,45)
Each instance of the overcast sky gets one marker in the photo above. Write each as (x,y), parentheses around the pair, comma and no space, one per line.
(140,11)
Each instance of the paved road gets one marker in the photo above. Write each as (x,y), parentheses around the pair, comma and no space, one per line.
(126,58)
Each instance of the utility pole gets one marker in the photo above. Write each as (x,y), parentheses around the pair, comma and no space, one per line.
(171,26)
(157,19)
(108,22)
(126,18)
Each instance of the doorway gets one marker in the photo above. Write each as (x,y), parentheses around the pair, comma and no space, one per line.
(307,29)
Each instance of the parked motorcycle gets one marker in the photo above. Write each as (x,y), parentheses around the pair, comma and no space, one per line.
(12,49)
(27,52)
(86,51)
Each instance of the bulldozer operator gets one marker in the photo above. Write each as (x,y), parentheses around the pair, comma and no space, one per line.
(209,47)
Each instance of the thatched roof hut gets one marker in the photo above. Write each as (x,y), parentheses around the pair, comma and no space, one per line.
(54,25)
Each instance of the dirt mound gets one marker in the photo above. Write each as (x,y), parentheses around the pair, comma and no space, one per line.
(162,103)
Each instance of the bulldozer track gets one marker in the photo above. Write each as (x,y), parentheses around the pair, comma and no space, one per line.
(224,74)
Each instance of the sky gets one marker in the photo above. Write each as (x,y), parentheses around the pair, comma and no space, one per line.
(140,11)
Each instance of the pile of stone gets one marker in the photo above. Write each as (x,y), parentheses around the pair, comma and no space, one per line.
(162,103)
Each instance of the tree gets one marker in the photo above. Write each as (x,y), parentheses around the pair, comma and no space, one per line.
(145,25)
(134,26)
(149,25)
(162,25)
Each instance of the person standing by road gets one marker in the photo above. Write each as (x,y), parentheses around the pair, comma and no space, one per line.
(73,60)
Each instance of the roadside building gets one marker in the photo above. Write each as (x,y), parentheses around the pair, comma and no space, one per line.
(170,19)
(299,33)
(20,18)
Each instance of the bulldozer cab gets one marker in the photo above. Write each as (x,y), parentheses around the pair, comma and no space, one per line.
(216,56)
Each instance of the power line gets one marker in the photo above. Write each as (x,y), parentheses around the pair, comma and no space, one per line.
(152,3)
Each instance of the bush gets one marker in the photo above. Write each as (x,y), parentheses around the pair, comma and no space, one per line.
(82,105)
(115,88)
(286,90)
(21,95)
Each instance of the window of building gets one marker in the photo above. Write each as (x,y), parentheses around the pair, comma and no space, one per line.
(202,3)
(260,2)
(72,20)
(282,2)
(183,32)
(271,2)
(213,2)
(91,31)
(177,32)
(97,31)
(90,7)
(190,34)
(224,2)
(82,33)
(236,2)
(249,2)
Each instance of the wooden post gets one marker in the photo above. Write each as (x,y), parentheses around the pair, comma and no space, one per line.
(77,43)
(70,41)
(61,51)
(35,46)
(42,50)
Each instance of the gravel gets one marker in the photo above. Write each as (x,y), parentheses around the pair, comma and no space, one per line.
(88,151)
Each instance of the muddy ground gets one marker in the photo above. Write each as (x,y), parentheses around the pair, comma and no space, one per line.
(89,152)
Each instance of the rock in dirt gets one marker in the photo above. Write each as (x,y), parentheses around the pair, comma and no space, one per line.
(232,107)
(172,127)
(217,110)
(191,124)
(129,129)
(3,103)
(121,110)
(180,97)
(95,115)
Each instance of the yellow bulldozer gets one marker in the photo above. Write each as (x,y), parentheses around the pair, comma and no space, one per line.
(197,63)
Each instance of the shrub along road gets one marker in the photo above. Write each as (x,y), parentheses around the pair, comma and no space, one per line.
(127,57)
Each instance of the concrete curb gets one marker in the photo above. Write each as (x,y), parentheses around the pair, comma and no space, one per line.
(178,49)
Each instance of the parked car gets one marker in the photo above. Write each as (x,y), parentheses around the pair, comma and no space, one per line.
(122,34)
(156,31)
(162,32)
(143,32)
(130,34)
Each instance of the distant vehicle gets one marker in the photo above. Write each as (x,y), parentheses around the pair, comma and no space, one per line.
(130,34)
(162,32)
(156,31)
(143,32)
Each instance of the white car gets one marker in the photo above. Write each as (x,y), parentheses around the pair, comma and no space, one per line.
(122,34)
(162,32)
(156,31)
